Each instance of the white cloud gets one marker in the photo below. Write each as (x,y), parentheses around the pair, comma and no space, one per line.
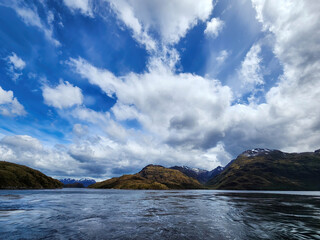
(91,116)
(9,105)
(16,62)
(22,141)
(136,154)
(100,77)
(171,19)
(63,96)
(250,71)
(16,65)
(157,99)
(125,13)
(248,77)
(214,27)
(125,112)
(84,6)
(158,88)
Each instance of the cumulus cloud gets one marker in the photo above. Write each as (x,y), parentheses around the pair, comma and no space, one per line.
(136,154)
(159,95)
(214,27)
(84,6)
(64,95)
(188,115)
(171,19)
(9,105)
(157,99)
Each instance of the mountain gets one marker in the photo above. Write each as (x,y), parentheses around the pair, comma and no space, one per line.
(15,176)
(69,182)
(203,176)
(265,169)
(151,177)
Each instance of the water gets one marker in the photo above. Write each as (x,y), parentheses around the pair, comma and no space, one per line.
(126,214)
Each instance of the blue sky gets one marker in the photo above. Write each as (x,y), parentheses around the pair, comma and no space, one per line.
(100,88)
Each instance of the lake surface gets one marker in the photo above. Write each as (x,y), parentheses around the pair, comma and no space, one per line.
(129,214)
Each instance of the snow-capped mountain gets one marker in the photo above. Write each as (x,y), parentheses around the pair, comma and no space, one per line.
(256,152)
(85,181)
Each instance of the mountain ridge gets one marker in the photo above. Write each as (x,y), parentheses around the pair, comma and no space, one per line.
(261,169)
(151,177)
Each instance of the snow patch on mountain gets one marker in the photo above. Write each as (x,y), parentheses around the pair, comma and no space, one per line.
(257,152)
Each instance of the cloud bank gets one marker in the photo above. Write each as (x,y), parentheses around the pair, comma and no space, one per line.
(166,116)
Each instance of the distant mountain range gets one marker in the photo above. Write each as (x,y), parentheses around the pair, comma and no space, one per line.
(255,169)
(15,176)
(78,183)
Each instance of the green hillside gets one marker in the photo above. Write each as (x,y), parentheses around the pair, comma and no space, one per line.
(15,176)
(270,170)
(151,177)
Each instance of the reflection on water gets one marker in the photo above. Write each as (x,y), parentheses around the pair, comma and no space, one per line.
(125,214)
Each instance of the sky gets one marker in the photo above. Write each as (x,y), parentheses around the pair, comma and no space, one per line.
(101,88)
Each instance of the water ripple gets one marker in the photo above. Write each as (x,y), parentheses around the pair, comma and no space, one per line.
(123,214)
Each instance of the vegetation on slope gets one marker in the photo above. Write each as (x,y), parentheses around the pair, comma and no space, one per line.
(273,170)
(15,176)
(151,177)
